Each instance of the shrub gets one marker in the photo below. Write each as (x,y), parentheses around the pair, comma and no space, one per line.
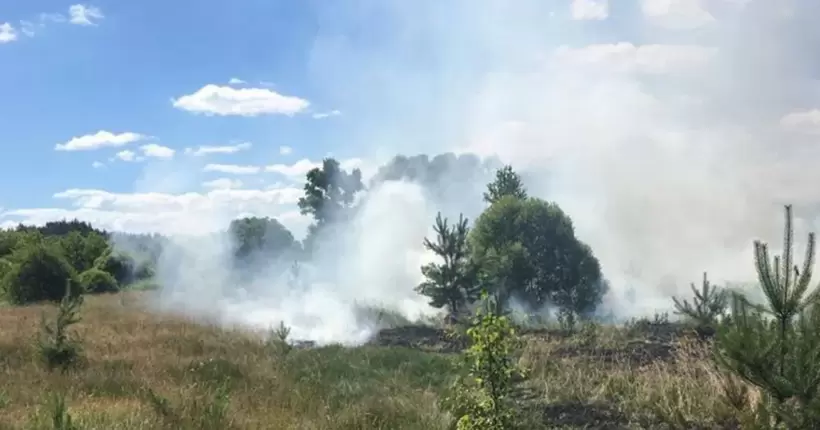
(38,272)
(119,265)
(483,400)
(97,281)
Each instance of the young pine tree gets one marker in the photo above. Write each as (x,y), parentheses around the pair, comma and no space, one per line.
(451,283)
(777,347)
(58,349)
(708,305)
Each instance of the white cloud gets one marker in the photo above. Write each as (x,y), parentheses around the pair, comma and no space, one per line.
(126,155)
(80,14)
(218,100)
(676,14)
(285,150)
(624,57)
(232,169)
(97,165)
(589,9)
(807,121)
(321,115)
(7,33)
(223,183)
(157,151)
(236,81)
(183,213)
(299,168)
(224,149)
(100,139)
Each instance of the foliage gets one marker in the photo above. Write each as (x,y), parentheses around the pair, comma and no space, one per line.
(81,251)
(119,264)
(38,272)
(57,348)
(507,183)
(708,305)
(483,400)
(256,237)
(777,347)
(452,282)
(535,256)
(329,191)
(95,280)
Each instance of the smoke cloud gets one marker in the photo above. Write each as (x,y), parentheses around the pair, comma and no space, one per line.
(671,132)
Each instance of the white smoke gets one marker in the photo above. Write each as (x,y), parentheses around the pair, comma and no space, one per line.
(670,146)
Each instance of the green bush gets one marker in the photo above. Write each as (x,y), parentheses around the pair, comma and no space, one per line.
(98,281)
(119,265)
(38,272)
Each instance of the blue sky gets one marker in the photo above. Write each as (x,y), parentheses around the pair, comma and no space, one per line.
(124,113)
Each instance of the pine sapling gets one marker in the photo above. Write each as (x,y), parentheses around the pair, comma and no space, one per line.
(776,348)
(708,305)
(58,349)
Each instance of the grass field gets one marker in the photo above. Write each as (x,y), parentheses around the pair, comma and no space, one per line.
(145,371)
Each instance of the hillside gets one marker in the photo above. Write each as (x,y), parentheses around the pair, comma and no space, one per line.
(146,371)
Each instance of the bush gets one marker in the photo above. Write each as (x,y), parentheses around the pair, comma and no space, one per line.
(119,265)
(97,281)
(483,400)
(38,272)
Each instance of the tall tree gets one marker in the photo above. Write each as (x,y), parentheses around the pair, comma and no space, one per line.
(543,261)
(507,183)
(255,237)
(450,283)
(329,191)
(777,347)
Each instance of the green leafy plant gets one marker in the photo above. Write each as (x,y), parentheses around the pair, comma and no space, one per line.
(58,412)
(483,398)
(57,348)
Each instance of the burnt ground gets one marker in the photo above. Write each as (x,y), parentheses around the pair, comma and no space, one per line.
(644,343)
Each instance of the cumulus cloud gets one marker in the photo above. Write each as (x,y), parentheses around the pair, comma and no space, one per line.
(157,151)
(589,9)
(7,33)
(100,139)
(97,165)
(285,150)
(126,155)
(297,169)
(218,100)
(236,81)
(218,149)
(80,14)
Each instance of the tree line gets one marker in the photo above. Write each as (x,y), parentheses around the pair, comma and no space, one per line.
(519,248)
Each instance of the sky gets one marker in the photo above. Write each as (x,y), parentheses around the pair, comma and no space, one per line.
(148,116)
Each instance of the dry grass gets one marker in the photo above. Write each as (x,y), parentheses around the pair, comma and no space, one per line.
(144,371)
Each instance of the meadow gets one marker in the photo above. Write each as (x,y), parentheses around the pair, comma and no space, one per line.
(142,370)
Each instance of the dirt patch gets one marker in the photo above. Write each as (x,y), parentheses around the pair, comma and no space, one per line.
(420,337)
